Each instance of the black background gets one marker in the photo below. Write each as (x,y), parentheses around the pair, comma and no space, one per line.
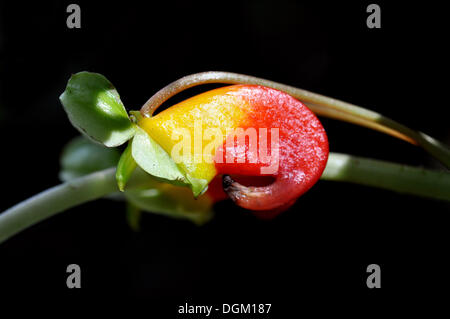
(312,257)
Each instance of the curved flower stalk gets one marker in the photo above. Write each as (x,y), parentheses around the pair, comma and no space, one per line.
(229,105)
(152,179)
(319,104)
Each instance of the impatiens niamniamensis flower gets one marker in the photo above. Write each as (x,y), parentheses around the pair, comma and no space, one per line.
(251,133)
(256,142)
(245,130)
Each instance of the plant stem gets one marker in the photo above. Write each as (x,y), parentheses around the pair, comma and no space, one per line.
(55,200)
(391,176)
(319,104)
(340,167)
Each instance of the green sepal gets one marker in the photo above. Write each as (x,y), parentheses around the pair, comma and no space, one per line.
(197,185)
(153,159)
(125,168)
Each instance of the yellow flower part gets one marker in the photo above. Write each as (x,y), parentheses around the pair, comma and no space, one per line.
(192,130)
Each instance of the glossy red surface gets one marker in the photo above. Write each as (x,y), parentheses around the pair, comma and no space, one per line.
(303,149)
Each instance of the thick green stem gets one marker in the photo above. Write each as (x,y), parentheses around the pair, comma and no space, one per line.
(55,200)
(319,104)
(386,175)
(340,167)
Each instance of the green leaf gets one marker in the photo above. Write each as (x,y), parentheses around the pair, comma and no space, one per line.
(153,159)
(172,201)
(81,157)
(125,168)
(95,109)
